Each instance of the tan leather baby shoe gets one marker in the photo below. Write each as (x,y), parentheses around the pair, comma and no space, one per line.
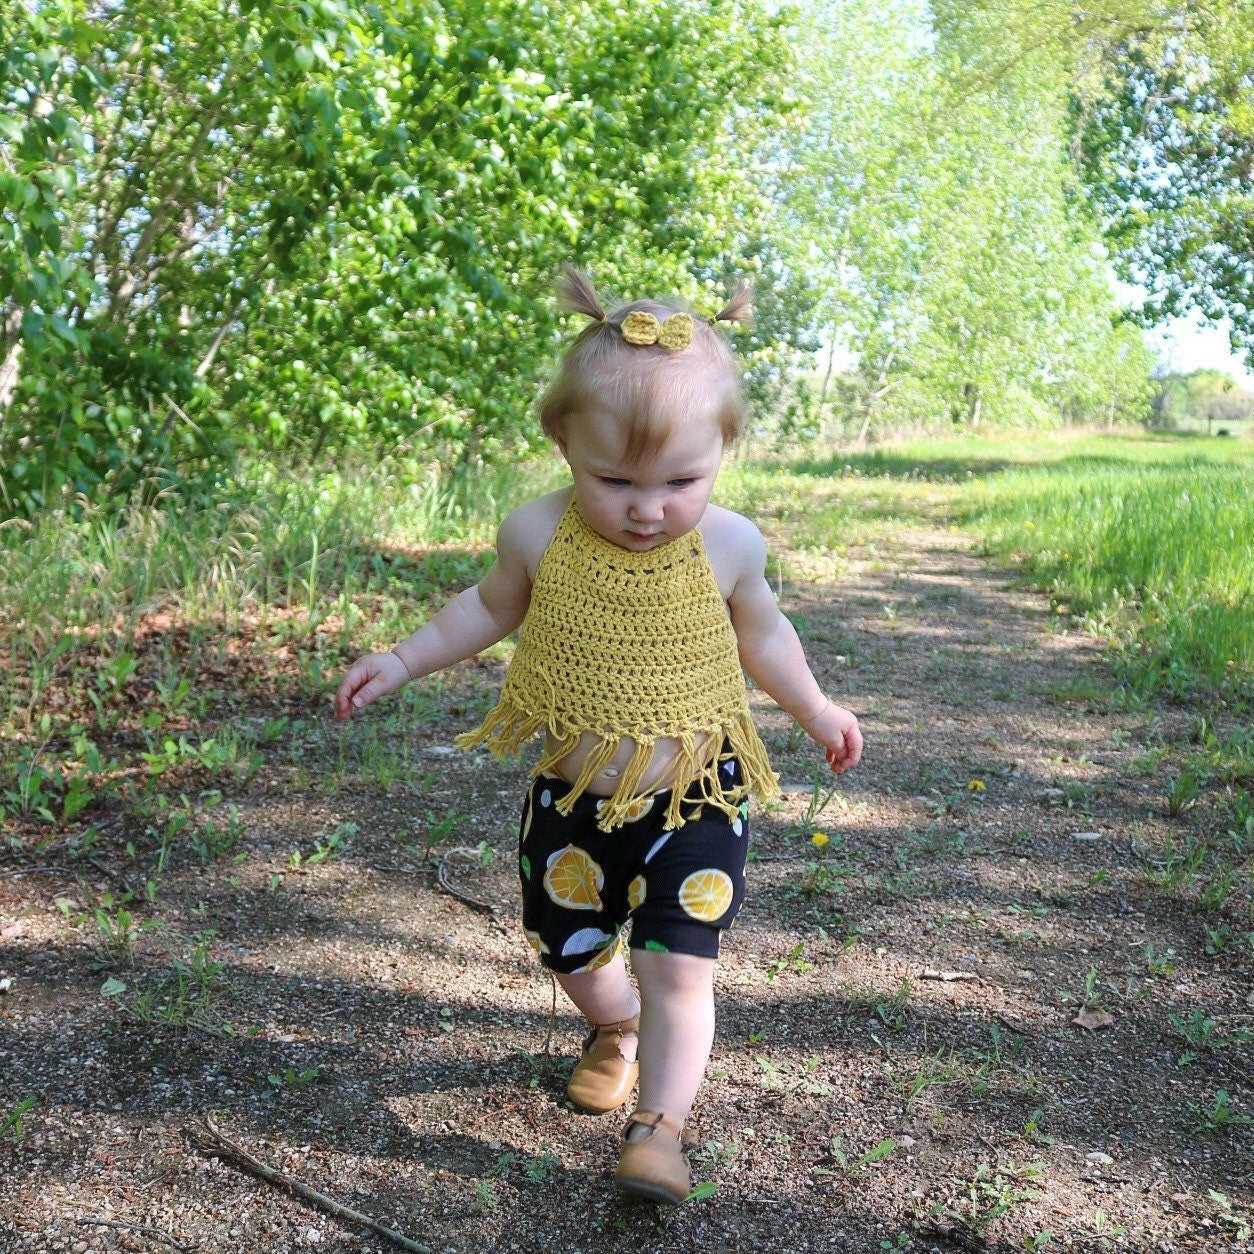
(654,1166)
(603,1079)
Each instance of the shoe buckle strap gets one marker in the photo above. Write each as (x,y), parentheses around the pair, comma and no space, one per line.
(654,1119)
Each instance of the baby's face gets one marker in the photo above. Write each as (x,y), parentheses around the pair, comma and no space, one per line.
(642,506)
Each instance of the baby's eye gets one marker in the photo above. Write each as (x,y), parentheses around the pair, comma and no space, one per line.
(678,483)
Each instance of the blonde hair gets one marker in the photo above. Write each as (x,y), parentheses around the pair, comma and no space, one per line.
(647,388)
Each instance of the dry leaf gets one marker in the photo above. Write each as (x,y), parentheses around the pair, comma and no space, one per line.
(1093,1019)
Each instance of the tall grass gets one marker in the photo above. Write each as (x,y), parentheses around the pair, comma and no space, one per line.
(277,536)
(1158,553)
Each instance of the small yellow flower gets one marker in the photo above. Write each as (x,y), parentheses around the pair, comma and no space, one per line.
(976,785)
(676,331)
(640,327)
(819,838)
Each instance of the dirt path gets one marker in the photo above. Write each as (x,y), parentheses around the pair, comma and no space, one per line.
(997,829)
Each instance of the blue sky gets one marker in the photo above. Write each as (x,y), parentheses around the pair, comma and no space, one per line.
(1187,343)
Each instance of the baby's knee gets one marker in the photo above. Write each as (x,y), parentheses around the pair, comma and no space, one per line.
(672,972)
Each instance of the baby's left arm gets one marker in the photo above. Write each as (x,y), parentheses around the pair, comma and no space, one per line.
(771,653)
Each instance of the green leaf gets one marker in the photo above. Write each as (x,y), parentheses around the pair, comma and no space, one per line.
(704,1189)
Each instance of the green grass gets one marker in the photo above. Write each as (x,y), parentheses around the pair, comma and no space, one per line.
(1153,542)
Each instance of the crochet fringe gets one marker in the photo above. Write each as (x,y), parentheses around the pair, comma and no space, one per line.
(508,726)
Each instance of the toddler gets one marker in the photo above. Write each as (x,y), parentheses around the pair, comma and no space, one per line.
(641,606)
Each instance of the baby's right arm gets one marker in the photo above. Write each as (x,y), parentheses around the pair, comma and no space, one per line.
(477,617)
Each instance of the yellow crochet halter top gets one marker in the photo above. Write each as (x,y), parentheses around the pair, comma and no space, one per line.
(638,643)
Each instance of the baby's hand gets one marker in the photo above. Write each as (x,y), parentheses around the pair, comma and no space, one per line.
(369,678)
(837,729)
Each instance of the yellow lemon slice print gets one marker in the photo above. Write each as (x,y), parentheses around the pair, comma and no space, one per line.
(635,892)
(533,939)
(638,809)
(574,880)
(705,895)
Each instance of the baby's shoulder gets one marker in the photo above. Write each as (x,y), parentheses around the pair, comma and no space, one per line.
(730,540)
(534,522)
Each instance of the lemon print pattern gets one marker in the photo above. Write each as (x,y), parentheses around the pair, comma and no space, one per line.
(707,894)
(635,893)
(573,879)
(636,810)
(586,893)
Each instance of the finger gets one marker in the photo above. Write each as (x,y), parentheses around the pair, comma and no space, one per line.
(853,745)
(370,692)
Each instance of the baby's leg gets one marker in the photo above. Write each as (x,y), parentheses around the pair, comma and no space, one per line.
(605,996)
(676,1030)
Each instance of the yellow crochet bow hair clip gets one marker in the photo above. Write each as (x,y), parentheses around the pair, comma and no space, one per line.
(640,327)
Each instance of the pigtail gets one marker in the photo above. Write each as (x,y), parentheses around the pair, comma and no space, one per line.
(576,295)
(739,308)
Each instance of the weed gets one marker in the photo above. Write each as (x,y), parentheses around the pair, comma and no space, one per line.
(1184,790)
(711,1155)
(1147,763)
(486,1200)
(1219,1117)
(1217,890)
(794,960)
(842,1164)
(1240,1224)
(187,995)
(11,1124)
(213,841)
(1159,963)
(936,1070)
(1104,1228)
(991,1193)
(823,878)
(1199,1033)
(291,1078)
(1032,1129)
(333,846)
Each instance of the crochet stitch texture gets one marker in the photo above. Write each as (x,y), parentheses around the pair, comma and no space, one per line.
(638,643)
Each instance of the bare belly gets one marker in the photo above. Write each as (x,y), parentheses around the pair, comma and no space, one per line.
(659,774)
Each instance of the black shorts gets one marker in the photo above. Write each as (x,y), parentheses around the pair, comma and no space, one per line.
(581,886)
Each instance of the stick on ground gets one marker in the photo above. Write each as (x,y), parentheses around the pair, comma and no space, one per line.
(211,1140)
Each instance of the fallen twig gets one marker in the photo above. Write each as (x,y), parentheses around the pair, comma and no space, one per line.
(31,870)
(122,1223)
(444,882)
(211,1140)
(552,1012)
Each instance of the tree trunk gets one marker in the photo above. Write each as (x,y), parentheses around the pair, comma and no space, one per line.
(11,338)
